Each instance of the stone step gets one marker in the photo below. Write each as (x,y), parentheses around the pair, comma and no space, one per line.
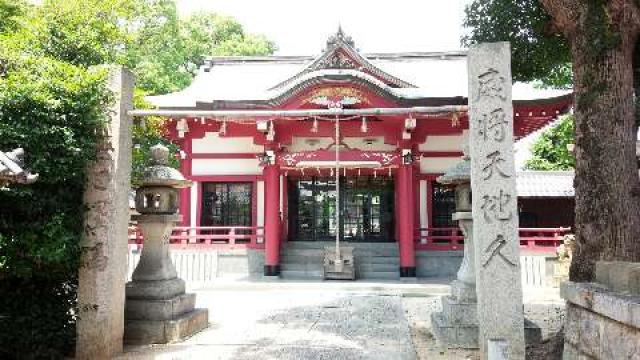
(390,253)
(300,266)
(380,275)
(304,255)
(377,267)
(459,313)
(301,274)
(322,245)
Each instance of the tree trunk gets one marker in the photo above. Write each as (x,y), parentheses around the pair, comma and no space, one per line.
(607,185)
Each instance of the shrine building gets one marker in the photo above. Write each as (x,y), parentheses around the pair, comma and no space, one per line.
(268,183)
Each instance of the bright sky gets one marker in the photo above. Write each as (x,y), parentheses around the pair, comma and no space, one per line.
(301,27)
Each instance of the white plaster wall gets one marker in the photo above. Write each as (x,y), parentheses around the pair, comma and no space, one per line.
(299,143)
(260,203)
(259,207)
(430,165)
(422,201)
(213,143)
(443,142)
(193,206)
(360,143)
(225,167)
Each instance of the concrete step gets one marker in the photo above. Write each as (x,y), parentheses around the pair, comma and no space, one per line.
(297,274)
(378,275)
(323,244)
(301,266)
(377,267)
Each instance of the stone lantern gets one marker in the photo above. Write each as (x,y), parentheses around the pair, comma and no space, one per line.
(457,325)
(157,308)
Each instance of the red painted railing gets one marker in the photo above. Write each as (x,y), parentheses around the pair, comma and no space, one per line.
(531,239)
(209,236)
(428,239)
(542,239)
(442,239)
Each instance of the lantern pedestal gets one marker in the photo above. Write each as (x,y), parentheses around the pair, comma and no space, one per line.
(157,309)
(457,325)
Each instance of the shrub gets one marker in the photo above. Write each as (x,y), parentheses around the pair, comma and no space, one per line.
(55,111)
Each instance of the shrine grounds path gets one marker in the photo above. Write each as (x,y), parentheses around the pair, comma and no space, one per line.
(288,320)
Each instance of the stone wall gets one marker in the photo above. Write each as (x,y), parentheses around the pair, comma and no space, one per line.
(603,318)
(202,267)
(438,264)
(100,324)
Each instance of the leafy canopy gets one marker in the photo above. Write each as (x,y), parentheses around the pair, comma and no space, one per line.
(56,111)
(539,54)
(53,101)
(551,150)
(148,36)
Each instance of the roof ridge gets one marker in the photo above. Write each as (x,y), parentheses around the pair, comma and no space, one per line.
(442,55)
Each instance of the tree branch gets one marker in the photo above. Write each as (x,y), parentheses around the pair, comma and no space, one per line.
(565,14)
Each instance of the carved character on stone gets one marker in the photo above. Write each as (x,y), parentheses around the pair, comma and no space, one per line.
(491,84)
(494,206)
(495,159)
(492,125)
(495,249)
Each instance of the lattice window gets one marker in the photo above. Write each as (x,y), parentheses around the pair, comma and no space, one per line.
(226,204)
(444,205)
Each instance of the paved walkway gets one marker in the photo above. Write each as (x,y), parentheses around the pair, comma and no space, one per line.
(312,320)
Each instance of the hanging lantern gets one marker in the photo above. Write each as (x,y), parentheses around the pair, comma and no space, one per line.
(363,126)
(314,127)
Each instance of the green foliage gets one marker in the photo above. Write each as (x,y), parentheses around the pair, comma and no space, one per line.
(52,103)
(55,111)
(166,55)
(538,53)
(148,132)
(9,12)
(550,151)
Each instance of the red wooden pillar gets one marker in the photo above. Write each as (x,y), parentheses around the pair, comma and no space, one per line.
(271,174)
(405,220)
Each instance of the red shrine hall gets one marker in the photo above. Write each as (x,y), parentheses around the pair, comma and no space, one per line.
(269,183)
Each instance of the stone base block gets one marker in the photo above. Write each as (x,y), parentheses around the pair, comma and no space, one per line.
(619,276)
(157,289)
(459,313)
(463,292)
(139,309)
(454,336)
(139,332)
(466,336)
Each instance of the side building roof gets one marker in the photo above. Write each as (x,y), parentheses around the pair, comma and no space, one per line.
(545,184)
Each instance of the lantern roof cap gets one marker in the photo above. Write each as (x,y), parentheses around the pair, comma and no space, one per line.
(159,173)
(460,173)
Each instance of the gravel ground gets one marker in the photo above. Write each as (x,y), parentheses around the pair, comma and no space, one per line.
(327,320)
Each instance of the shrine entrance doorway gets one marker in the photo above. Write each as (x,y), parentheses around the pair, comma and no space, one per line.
(366,209)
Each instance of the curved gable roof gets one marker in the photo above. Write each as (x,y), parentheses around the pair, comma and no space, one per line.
(341,53)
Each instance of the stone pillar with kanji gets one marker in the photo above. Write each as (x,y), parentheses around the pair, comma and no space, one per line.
(495,215)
